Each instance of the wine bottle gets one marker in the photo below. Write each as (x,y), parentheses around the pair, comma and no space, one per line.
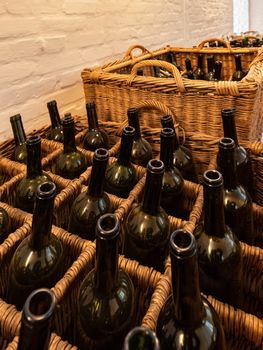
(56,132)
(70,163)
(220,260)
(141,149)
(36,320)
(239,73)
(26,189)
(244,166)
(218,68)
(182,156)
(5,225)
(96,137)
(38,260)
(189,72)
(170,57)
(210,75)
(237,201)
(120,176)
(173,182)
(187,320)
(19,154)
(199,73)
(147,224)
(106,297)
(141,338)
(94,202)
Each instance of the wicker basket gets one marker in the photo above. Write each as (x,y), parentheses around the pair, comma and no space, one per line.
(56,343)
(196,104)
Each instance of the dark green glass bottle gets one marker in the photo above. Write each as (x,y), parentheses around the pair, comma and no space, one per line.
(38,260)
(218,69)
(141,149)
(121,176)
(173,182)
(219,252)
(171,58)
(189,71)
(237,201)
(147,224)
(26,190)
(238,73)
(19,154)
(141,338)
(70,163)
(187,320)
(93,203)
(96,137)
(56,132)
(244,166)
(4,225)
(36,320)
(106,297)
(210,75)
(199,73)
(182,156)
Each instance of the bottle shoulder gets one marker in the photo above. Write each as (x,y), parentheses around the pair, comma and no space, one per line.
(85,205)
(237,198)
(96,138)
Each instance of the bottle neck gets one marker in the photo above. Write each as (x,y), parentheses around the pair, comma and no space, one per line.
(92,116)
(188,306)
(133,119)
(106,275)
(227,166)
(166,150)
(54,115)
(124,157)
(210,64)
(69,138)
(200,62)
(42,222)
(229,127)
(152,193)
(95,188)
(218,66)
(214,217)
(34,166)
(168,123)
(18,131)
(188,65)
(238,63)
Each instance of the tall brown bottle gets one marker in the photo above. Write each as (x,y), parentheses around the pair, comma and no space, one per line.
(237,201)
(244,166)
(187,320)
(219,251)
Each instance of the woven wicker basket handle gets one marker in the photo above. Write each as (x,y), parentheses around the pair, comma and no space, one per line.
(226,43)
(133,47)
(162,64)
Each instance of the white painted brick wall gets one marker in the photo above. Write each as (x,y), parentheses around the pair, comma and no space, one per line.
(44,45)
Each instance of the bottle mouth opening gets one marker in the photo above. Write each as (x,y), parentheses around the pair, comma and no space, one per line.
(213,178)
(108,226)
(15,117)
(166,118)
(182,243)
(67,115)
(32,140)
(226,143)
(155,166)
(52,103)
(133,110)
(228,112)
(129,131)
(101,154)
(40,304)
(141,338)
(167,132)
(67,120)
(46,190)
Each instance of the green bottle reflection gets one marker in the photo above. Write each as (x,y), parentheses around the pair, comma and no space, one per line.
(187,320)
(219,252)
(106,297)
(237,201)
(5,224)
(93,203)
(70,163)
(141,149)
(36,320)
(121,176)
(96,136)
(210,75)
(173,182)
(238,73)
(183,159)
(55,133)
(141,338)
(244,166)
(199,73)
(38,260)
(19,154)
(189,71)
(147,224)
(26,190)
